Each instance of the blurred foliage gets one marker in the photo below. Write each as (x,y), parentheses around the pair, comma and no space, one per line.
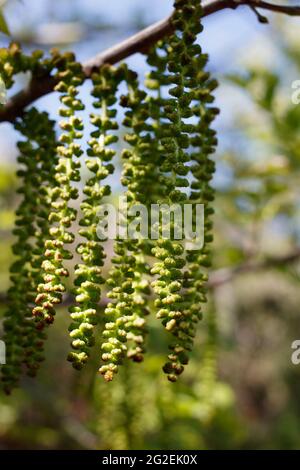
(240,390)
(3,23)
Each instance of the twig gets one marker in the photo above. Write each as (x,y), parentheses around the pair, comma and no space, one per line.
(225,275)
(218,277)
(139,42)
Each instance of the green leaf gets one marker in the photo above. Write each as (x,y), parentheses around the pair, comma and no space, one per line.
(3,25)
(239,80)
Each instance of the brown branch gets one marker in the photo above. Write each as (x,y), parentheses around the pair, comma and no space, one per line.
(144,39)
(285,9)
(139,42)
(217,278)
(225,275)
(35,90)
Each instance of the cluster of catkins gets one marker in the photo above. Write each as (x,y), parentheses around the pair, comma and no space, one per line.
(166,161)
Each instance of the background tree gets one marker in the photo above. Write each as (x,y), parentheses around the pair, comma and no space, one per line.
(252,400)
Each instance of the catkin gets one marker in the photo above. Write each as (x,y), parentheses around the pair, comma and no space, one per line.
(23,340)
(88,274)
(62,215)
(166,161)
(124,333)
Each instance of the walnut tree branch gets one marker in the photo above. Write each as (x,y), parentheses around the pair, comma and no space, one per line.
(225,275)
(220,276)
(139,42)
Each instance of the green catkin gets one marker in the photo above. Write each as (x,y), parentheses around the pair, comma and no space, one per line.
(37,156)
(124,334)
(20,273)
(190,93)
(122,421)
(168,253)
(197,88)
(166,161)
(14,61)
(24,343)
(88,276)
(137,177)
(45,151)
(62,216)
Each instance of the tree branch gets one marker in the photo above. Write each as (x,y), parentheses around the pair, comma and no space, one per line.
(216,278)
(225,275)
(139,42)
(285,9)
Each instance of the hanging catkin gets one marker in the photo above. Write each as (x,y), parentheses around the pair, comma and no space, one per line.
(89,272)
(67,171)
(194,90)
(45,154)
(166,161)
(178,68)
(124,334)
(23,340)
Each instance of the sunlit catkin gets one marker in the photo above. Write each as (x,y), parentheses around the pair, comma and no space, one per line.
(23,340)
(62,215)
(165,153)
(88,274)
(124,333)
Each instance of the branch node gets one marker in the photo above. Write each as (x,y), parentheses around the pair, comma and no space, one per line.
(139,42)
(261,18)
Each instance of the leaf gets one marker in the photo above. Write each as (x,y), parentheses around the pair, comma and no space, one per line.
(3,25)
(239,80)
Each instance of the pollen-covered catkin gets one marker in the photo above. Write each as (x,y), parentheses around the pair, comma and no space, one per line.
(88,274)
(23,340)
(138,177)
(13,61)
(171,143)
(185,118)
(167,146)
(124,334)
(46,156)
(61,215)
(197,88)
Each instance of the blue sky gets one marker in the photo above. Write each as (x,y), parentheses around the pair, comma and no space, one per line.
(228,36)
